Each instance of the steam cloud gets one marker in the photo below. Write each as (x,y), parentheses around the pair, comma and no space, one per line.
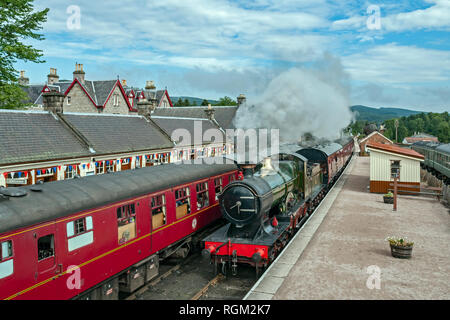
(299,101)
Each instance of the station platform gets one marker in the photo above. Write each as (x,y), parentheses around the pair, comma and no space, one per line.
(342,252)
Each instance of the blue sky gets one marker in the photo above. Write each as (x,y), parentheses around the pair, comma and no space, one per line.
(212,48)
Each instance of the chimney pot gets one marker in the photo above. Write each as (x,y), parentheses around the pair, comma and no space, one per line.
(23,81)
(79,73)
(124,83)
(52,76)
(241,99)
(145,108)
(150,85)
(210,112)
(53,101)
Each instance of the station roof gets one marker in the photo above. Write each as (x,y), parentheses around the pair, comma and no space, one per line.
(394,149)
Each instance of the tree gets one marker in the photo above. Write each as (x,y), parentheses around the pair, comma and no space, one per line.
(205,102)
(226,101)
(18,22)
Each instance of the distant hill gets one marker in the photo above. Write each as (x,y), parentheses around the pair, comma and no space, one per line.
(192,100)
(381,114)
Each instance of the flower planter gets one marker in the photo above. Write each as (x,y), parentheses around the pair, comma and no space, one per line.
(388,199)
(402,252)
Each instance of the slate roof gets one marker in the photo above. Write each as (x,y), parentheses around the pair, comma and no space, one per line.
(27,136)
(170,124)
(118,133)
(224,115)
(99,90)
(149,94)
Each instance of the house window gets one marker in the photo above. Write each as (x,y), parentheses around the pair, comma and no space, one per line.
(183,203)
(202,195)
(46,247)
(79,233)
(218,187)
(69,100)
(116,100)
(70,172)
(6,261)
(126,222)
(158,206)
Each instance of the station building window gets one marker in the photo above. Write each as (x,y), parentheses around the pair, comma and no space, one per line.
(70,172)
(6,261)
(126,222)
(46,247)
(202,195)
(183,203)
(158,207)
(99,167)
(109,166)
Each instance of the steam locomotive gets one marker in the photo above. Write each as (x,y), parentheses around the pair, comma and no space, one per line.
(271,202)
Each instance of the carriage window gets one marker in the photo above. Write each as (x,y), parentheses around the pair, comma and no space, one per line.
(126,221)
(218,187)
(183,205)
(79,233)
(46,247)
(6,250)
(202,195)
(6,261)
(158,211)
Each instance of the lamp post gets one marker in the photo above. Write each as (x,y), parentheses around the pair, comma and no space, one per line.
(395,173)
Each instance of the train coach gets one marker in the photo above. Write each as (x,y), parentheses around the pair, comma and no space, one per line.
(437,158)
(266,208)
(93,237)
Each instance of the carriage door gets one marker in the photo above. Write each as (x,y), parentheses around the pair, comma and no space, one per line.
(45,239)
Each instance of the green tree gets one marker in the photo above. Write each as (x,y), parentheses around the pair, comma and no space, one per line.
(18,22)
(205,102)
(186,103)
(226,101)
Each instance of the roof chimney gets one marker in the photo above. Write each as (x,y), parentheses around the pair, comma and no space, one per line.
(23,81)
(53,101)
(210,112)
(150,85)
(124,83)
(241,100)
(79,73)
(52,77)
(145,108)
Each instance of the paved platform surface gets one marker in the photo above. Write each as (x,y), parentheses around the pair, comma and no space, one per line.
(330,257)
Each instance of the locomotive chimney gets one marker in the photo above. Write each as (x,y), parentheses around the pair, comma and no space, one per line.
(248,169)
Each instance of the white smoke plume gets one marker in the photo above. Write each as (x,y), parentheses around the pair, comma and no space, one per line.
(300,100)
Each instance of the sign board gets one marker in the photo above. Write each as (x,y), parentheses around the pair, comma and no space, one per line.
(17,181)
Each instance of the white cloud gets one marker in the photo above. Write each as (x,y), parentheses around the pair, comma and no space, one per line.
(397,64)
